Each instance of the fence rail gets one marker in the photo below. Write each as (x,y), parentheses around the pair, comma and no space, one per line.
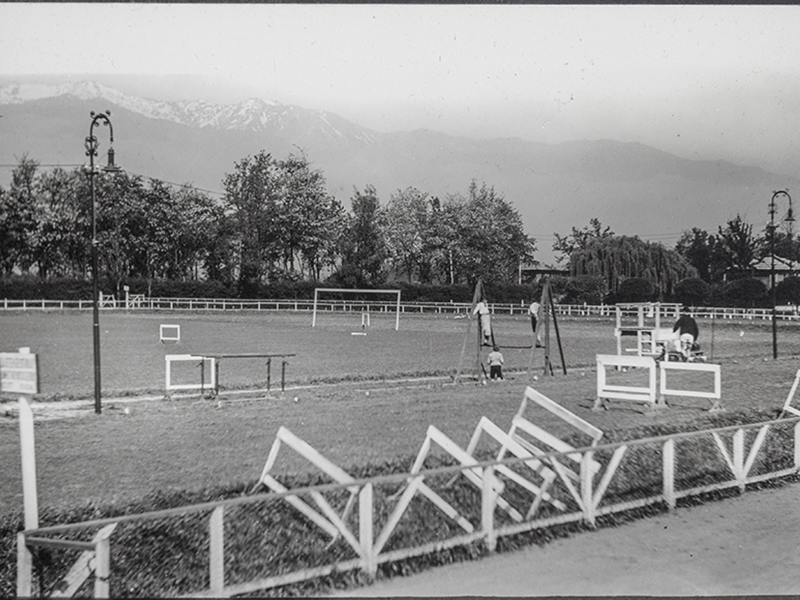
(783,313)
(773,452)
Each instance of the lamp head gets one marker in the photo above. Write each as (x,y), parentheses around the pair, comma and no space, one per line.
(111,167)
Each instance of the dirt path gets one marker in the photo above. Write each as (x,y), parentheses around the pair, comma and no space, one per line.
(738,546)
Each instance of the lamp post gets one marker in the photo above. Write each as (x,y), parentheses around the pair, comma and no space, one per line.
(789,218)
(91,152)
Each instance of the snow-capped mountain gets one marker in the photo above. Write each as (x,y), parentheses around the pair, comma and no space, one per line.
(252,114)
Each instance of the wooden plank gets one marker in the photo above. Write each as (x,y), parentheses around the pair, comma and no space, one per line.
(77,574)
(309,453)
(594,432)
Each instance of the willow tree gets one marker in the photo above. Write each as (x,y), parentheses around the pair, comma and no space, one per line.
(620,257)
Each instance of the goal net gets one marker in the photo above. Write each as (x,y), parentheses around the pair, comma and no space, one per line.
(331,298)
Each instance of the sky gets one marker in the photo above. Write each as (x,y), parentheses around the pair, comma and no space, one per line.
(699,81)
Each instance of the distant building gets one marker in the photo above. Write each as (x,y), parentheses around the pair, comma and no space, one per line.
(534,274)
(763,270)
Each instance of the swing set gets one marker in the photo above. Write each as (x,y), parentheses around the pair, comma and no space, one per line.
(547,310)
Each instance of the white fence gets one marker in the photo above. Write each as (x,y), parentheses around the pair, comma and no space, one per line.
(784,313)
(734,457)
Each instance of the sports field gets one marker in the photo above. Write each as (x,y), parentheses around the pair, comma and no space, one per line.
(133,357)
(349,405)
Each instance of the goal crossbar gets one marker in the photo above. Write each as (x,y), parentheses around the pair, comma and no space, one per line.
(357,291)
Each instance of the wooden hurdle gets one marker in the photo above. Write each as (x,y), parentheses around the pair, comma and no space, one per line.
(715,396)
(535,467)
(641,395)
(538,441)
(326,518)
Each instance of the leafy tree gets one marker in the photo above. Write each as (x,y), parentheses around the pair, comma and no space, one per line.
(583,289)
(310,219)
(63,224)
(578,239)
(252,196)
(703,251)
(635,289)
(620,257)
(738,248)
(747,292)
(18,208)
(407,223)
(363,245)
(692,291)
(490,240)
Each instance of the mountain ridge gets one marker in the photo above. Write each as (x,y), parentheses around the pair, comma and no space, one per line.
(631,187)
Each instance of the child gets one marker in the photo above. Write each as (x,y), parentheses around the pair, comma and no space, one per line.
(495,361)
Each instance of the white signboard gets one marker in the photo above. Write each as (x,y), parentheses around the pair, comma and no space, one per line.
(18,373)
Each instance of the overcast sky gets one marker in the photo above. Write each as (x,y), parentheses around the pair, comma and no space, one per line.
(700,81)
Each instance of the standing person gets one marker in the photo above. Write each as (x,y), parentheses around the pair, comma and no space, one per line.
(533,311)
(686,334)
(495,361)
(482,310)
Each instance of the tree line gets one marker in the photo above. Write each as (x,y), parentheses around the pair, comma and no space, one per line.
(275,222)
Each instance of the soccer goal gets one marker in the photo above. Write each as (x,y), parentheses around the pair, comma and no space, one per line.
(365,313)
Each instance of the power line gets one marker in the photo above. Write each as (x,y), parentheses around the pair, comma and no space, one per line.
(182,185)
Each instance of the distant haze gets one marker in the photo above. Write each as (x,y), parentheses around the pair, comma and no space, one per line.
(702,82)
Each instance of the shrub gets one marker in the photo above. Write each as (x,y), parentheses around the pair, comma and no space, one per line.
(692,291)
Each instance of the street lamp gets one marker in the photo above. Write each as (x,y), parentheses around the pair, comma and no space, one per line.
(91,152)
(789,219)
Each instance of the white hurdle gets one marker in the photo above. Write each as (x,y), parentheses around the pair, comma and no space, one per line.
(201,360)
(642,395)
(714,396)
(169,333)
(538,441)
(324,516)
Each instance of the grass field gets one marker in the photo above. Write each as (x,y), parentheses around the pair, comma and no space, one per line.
(193,444)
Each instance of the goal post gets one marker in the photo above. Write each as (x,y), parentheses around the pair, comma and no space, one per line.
(318,291)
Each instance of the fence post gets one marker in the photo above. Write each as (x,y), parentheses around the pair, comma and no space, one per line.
(24,568)
(216,550)
(488,501)
(102,567)
(586,488)
(365,532)
(797,446)
(738,457)
(669,473)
